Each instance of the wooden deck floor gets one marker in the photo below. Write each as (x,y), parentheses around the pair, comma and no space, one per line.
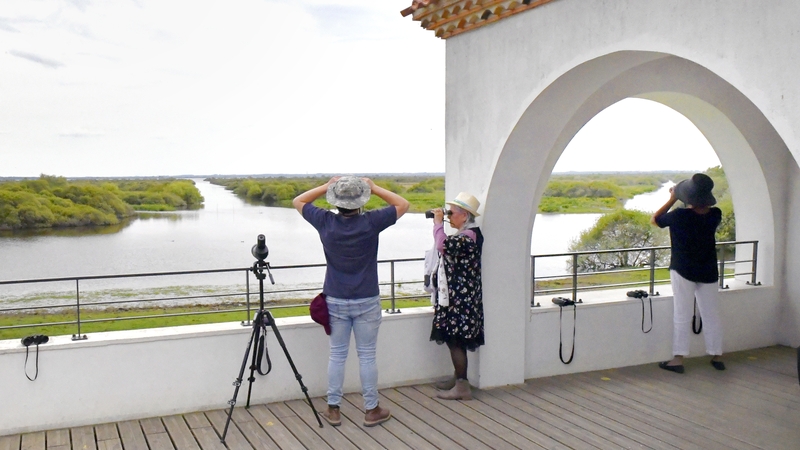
(755,404)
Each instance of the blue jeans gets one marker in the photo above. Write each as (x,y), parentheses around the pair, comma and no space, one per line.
(363,316)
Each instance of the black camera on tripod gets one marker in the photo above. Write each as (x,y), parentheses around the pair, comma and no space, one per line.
(637,294)
(561,301)
(429,213)
(35,339)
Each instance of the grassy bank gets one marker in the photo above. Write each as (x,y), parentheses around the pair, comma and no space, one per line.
(116,319)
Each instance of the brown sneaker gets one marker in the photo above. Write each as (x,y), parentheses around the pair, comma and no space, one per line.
(332,416)
(376,416)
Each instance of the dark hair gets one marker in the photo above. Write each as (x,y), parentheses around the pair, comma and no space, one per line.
(345,211)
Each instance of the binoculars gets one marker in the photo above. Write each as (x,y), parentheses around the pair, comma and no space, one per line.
(637,294)
(429,213)
(35,339)
(561,301)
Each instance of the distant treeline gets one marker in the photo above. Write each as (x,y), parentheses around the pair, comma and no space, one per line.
(423,192)
(565,193)
(52,201)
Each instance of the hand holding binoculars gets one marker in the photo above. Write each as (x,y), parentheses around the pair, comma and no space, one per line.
(429,213)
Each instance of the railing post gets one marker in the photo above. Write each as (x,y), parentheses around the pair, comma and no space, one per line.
(722,267)
(78,337)
(755,265)
(246,322)
(533,281)
(652,271)
(391,274)
(575,277)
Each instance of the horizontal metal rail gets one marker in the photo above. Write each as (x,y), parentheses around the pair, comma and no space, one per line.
(541,285)
(243,297)
(225,297)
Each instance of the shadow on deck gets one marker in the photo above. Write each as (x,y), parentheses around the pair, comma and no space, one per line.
(755,404)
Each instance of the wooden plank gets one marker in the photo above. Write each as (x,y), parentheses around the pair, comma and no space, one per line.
(130,432)
(467,419)
(337,437)
(234,440)
(274,428)
(541,420)
(251,429)
(57,438)
(109,444)
(435,437)
(496,422)
(297,426)
(106,431)
(179,431)
(744,423)
(696,436)
(682,414)
(159,441)
(208,438)
(197,420)
(33,441)
(83,438)
(619,420)
(389,435)
(152,426)
(12,442)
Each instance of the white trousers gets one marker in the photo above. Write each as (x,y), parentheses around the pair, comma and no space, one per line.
(684,292)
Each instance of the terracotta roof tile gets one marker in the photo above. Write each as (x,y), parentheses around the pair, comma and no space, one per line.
(447,18)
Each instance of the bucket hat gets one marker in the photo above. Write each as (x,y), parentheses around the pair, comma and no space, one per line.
(466,202)
(348,192)
(696,191)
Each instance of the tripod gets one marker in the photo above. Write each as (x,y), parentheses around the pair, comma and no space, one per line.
(262,319)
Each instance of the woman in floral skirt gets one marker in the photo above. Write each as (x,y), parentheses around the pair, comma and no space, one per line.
(458,310)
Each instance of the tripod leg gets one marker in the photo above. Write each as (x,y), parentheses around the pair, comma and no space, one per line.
(258,324)
(268,317)
(238,382)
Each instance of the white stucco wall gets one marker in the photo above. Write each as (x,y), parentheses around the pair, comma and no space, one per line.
(518,90)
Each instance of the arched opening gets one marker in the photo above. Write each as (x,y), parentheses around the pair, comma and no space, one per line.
(744,140)
(623,142)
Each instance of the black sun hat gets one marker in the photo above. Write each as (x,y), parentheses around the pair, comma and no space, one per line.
(696,191)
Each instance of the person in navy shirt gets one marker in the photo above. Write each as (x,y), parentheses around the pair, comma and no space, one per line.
(693,266)
(350,242)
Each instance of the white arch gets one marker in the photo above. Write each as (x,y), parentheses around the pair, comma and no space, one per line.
(751,151)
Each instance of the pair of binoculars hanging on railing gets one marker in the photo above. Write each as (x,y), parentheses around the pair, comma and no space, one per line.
(35,339)
(637,294)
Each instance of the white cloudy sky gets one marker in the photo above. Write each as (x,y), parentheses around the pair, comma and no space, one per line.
(171,87)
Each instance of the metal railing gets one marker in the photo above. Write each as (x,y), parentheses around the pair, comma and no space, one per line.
(239,298)
(551,284)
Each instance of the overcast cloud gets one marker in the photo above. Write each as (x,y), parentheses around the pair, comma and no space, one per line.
(168,87)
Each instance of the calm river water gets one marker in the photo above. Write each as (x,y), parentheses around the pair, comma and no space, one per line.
(221,235)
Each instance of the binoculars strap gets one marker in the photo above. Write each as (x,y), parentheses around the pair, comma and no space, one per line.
(27,349)
(697,321)
(560,339)
(651,314)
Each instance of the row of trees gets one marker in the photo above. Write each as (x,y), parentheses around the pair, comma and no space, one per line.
(632,229)
(423,192)
(51,201)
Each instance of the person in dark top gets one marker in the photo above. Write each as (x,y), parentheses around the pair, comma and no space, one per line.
(693,266)
(350,242)
(458,311)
